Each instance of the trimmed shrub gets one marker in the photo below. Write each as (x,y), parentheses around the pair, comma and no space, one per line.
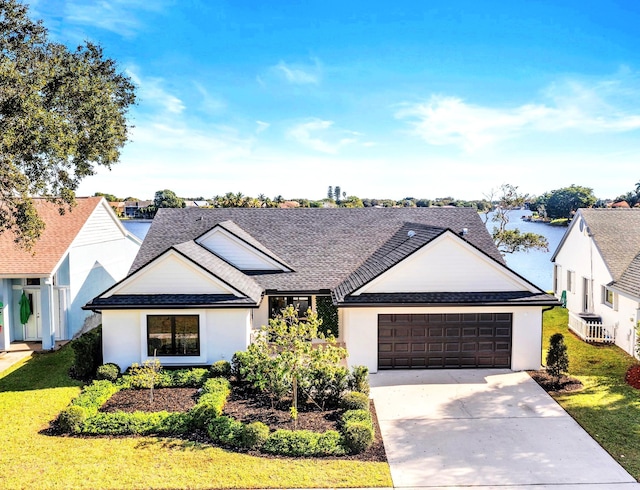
(215,392)
(187,377)
(93,396)
(359,379)
(354,400)
(72,419)
(108,371)
(220,369)
(225,430)
(351,416)
(327,383)
(358,436)
(137,423)
(87,353)
(330,443)
(254,435)
(292,443)
(238,365)
(557,357)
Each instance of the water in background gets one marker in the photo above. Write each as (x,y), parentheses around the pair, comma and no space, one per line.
(534,266)
(139,227)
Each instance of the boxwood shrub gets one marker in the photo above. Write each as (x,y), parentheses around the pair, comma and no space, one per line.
(354,400)
(358,436)
(72,418)
(108,371)
(220,369)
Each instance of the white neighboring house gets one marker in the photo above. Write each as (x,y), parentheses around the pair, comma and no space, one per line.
(79,254)
(597,268)
(413,288)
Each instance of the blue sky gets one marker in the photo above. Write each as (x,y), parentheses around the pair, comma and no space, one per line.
(386,99)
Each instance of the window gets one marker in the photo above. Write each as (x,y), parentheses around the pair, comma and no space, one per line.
(279,303)
(33,281)
(173,335)
(608,297)
(571,279)
(557,271)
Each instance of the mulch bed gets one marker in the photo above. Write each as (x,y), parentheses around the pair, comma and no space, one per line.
(245,406)
(633,377)
(551,384)
(169,399)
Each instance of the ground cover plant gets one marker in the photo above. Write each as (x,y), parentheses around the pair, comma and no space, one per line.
(35,391)
(607,407)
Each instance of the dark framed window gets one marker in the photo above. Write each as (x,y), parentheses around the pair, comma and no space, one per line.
(33,281)
(173,335)
(279,303)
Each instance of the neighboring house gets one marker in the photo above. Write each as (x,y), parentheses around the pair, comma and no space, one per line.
(414,287)
(597,269)
(137,209)
(80,253)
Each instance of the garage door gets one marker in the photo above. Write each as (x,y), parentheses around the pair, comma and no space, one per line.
(463,340)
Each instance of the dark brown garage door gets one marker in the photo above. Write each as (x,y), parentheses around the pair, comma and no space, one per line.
(464,340)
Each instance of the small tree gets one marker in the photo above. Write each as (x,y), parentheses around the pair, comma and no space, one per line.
(557,357)
(147,374)
(282,355)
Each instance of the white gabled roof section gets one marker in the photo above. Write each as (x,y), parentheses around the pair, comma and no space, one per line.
(447,264)
(171,273)
(238,252)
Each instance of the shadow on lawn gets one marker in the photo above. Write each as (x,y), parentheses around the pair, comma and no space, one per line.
(42,371)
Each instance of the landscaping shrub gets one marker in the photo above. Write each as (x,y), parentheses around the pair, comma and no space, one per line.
(354,400)
(254,435)
(292,443)
(72,418)
(123,423)
(359,379)
(239,363)
(358,436)
(557,357)
(215,392)
(192,378)
(328,313)
(93,396)
(108,371)
(220,369)
(351,416)
(326,384)
(330,443)
(88,354)
(225,430)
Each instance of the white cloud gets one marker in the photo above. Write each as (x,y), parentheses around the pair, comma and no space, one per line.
(571,105)
(117,16)
(298,74)
(262,126)
(208,102)
(151,93)
(319,135)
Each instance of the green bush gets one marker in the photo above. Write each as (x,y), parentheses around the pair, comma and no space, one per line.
(330,443)
(93,396)
(557,357)
(238,365)
(108,371)
(184,378)
(220,369)
(215,392)
(327,383)
(358,436)
(351,416)
(225,430)
(328,313)
(359,379)
(292,443)
(72,418)
(254,435)
(354,400)
(87,354)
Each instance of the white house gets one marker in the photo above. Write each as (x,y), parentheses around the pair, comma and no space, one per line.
(597,269)
(413,288)
(80,253)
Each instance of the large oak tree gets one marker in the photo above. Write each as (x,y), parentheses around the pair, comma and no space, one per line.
(62,113)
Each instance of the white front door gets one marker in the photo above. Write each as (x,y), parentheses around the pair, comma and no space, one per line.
(33,327)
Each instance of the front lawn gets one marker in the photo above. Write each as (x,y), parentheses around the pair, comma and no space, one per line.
(32,394)
(607,408)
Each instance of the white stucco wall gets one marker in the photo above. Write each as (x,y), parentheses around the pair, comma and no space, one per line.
(580,254)
(360,332)
(222,333)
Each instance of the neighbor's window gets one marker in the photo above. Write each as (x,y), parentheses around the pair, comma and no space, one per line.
(608,296)
(173,335)
(33,281)
(279,303)
(571,279)
(557,270)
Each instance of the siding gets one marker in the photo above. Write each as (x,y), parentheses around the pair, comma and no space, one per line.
(100,227)
(237,253)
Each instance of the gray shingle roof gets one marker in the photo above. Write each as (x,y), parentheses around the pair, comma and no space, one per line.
(629,282)
(490,298)
(616,233)
(323,246)
(137,301)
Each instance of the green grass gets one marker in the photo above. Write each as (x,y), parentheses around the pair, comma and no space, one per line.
(35,390)
(607,408)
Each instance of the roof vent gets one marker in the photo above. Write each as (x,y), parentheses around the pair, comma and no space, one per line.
(465,231)
(411,233)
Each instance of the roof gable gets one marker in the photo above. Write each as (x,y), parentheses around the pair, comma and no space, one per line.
(54,243)
(446,263)
(231,243)
(171,273)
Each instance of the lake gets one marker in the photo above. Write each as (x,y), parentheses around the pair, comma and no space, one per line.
(534,265)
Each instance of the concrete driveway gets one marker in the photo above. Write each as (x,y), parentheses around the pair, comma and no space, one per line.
(485,429)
